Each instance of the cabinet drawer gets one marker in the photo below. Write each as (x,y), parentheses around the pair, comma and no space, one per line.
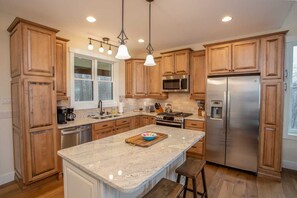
(102,133)
(122,121)
(102,125)
(197,148)
(194,124)
(122,128)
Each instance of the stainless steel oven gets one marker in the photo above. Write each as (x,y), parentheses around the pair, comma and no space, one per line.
(177,83)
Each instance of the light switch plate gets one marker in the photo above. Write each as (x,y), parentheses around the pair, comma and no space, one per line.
(5,101)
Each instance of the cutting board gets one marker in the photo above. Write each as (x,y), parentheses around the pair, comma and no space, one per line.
(138,140)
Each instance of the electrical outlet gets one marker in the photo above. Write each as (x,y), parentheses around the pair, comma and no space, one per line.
(5,101)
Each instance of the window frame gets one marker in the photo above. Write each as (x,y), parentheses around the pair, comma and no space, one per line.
(95,58)
(289,133)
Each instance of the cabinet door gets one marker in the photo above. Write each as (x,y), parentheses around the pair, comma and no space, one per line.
(42,156)
(219,59)
(61,69)
(198,75)
(139,79)
(15,51)
(245,56)
(168,64)
(182,62)
(154,81)
(151,120)
(144,120)
(102,133)
(271,126)
(129,79)
(40,100)
(122,128)
(38,51)
(135,122)
(272,50)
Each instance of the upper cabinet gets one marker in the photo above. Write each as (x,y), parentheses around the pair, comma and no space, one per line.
(33,49)
(61,56)
(143,81)
(154,81)
(272,49)
(198,75)
(233,57)
(176,62)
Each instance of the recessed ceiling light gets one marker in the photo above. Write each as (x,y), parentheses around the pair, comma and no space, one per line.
(226,19)
(140,41)
(91,19)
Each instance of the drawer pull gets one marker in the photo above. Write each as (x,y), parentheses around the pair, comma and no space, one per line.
(105,125)
(194,146)
(194,124)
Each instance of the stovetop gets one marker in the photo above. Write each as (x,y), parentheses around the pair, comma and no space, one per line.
(175,114)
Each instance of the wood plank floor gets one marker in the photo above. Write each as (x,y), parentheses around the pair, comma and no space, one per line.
(221,182)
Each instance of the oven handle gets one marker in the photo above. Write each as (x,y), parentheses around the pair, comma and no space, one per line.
(168,123)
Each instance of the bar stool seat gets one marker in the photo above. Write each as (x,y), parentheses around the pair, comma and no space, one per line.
(165,188)
(191,168)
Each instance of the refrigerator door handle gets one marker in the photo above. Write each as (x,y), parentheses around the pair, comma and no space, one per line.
(228,110)
(224,110)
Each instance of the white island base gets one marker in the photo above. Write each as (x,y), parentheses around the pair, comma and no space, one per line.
(78,184)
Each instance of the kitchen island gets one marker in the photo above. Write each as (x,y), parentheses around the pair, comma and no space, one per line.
(110,167)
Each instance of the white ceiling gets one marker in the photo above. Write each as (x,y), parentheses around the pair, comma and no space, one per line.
(174,22)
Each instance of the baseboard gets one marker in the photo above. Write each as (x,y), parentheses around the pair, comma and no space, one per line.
(289,165)
(7,177)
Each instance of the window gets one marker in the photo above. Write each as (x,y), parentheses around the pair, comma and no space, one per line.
(93,78)
(290,118)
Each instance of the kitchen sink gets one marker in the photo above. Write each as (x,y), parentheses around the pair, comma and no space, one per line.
(105,117)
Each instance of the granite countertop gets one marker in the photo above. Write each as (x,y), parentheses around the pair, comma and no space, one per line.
(126,167)
(89,120)
(195,117)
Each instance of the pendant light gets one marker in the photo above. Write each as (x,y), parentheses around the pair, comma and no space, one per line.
(149,61)
(90,46)
(123,53)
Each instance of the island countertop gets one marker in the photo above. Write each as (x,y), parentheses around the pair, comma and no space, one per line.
(126,167)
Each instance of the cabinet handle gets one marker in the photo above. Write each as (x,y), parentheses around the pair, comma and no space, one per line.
(54,85)
(194,124)
(105,125)
(54,72)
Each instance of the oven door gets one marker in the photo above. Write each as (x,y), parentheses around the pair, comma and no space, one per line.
(170,124)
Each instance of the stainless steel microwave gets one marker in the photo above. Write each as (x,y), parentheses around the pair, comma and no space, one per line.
(177,83)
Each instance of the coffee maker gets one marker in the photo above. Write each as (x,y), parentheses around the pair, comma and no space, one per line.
(61,115)
(70,115)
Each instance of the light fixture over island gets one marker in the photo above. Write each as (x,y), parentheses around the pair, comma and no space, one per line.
(110,167)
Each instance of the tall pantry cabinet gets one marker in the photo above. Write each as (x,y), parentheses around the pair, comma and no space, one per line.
(32,60)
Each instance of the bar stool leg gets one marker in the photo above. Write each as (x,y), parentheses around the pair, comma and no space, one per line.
(186,187)
(204,183)
(178,178)
(194,188)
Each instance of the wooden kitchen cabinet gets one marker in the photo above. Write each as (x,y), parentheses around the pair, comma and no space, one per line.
(102,129)
(233,57)
(271,129)
(154,81)
(122,125)
(198,149)
(136,74)
(198,75)
(272,57)
(33,92)
(142,81)
(61,68)
(135,122)
(176,63)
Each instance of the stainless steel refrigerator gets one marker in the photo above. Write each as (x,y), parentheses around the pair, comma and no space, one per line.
(233,109)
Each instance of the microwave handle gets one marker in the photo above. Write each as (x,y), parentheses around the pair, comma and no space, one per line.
(180,84)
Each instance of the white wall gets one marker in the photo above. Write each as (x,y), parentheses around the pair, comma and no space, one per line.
(289,157)
(6,151)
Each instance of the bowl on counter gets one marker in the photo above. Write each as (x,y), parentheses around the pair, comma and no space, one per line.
(149,136)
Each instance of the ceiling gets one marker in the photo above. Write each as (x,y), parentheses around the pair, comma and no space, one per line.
(174,22)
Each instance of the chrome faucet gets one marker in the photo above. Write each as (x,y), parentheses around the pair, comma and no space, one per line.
(100,106)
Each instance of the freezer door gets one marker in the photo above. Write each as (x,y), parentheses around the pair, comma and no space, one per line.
(243,103)
(216,124)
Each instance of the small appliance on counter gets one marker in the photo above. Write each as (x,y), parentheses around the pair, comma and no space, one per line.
(70,116)
(61,115)
(150,108)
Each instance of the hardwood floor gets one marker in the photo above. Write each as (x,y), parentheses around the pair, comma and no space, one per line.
(221,182)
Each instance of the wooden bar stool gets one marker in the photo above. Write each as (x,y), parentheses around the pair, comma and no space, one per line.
(165,188)
(191,169)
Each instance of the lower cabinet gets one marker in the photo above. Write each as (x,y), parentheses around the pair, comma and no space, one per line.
(135,122)
(122,125)
(198,149)
(147,120)
(102,129)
